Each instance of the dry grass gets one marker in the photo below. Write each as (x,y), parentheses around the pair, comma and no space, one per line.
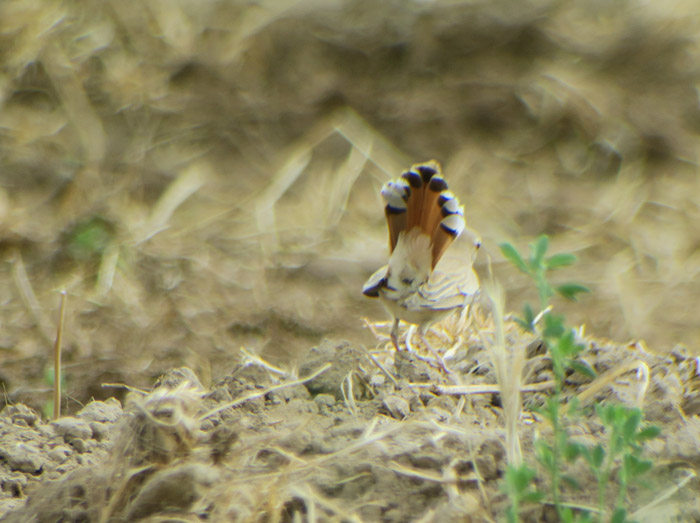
(201,177)
(259,445)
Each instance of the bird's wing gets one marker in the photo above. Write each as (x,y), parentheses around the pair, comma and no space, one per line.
(449,289)
(375,282)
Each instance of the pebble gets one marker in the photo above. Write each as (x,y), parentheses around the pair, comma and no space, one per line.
(14,485)
(72,428)
(326,400)
(20,415)
(60,453)
(79,445)
(100,431)
(22,458)
(397,406)
(102,411)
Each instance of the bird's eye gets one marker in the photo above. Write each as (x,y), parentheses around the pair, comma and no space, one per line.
(407,281)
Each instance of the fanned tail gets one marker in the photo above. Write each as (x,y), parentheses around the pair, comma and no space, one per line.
(420,198)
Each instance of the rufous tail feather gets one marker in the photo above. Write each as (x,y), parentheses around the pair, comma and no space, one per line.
(421,198)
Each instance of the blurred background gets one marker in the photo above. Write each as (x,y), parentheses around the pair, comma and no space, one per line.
(202,176)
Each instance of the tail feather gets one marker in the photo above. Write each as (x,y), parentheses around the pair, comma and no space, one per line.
(420,198)
(451,226)
(415,199)
(396,195)
(431,207)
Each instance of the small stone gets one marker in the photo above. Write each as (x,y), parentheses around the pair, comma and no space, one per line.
(346,360)
(177,377)
(72,428)
(397,406)
(489,459)
(45,431)
(100,431)
(289,394)
(79,445)
(296,442)
(220,395)
(21,415)
(22,458)
(377,380)
(14,486)
(102,411)
(325,400)
(60,454)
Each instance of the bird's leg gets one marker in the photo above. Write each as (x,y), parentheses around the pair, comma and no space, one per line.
(464,317)
(421,332)
(395,334)
(409,337)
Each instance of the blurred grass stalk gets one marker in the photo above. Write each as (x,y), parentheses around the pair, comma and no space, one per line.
(508,363)
(57,358)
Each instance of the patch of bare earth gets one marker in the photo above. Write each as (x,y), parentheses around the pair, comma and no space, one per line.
(357,435)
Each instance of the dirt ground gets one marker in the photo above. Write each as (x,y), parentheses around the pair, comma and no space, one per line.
(203,181)
(363,436)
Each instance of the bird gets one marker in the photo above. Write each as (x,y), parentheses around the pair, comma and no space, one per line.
(430,272)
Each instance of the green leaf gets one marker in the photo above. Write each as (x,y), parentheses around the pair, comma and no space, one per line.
(539,249)
(537,408)
(619,516)
(607,414)
(634,418)
(584,368)
(533,497)
(545,456)
(519,478)
(597,456)
(551,410)
(648,433)
(570,291)
(543,288)
(571,481)
(523,324)
(573,407)
(48,409)
(88,238)
(553,326)
(560,260)
(529,315)
(599,410)
(49,375)
(636,466)
(512,255)
(572,451)
(527,322)
(566,345)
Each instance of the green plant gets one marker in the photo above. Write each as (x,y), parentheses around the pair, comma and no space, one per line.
(518,487)
(537,266)
(87,239)
(621,425)
(562,347)
(623,449)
